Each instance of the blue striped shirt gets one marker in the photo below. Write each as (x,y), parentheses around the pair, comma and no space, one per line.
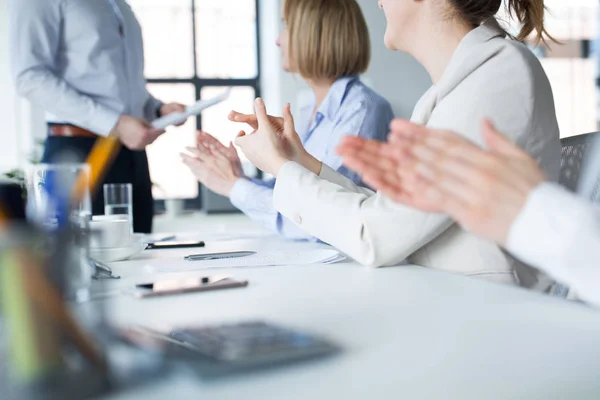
(350,108)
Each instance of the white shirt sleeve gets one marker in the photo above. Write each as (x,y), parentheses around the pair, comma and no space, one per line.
(35,32)
(367,226)
(255,199)
(559,233)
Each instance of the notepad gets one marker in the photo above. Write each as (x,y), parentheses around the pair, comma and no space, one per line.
(194,109)
(261,259)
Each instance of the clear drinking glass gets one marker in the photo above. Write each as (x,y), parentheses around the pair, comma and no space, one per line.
(49,190)
(118,200)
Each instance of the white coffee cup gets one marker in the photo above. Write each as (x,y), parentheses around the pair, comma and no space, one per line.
(110,231)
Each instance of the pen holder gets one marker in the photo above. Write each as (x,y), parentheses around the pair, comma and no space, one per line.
(46,346)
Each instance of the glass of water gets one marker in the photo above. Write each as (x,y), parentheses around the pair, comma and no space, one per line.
(49,190)
(118,200)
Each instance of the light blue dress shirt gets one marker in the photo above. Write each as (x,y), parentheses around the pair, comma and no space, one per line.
(350,108)
(82,61)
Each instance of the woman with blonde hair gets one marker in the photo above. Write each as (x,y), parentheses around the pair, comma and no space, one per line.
(477,72)
(326,42)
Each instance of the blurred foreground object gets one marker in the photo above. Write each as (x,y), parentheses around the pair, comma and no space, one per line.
(12,200)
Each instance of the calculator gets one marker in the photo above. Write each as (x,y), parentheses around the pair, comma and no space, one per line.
(252,343)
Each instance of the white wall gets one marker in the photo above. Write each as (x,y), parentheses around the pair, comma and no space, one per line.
(20,123)
(8,105)
(394,75)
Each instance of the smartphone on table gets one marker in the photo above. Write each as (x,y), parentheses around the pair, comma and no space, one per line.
(175,244)
(169,287)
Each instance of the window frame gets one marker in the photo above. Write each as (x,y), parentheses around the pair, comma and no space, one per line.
(201,83)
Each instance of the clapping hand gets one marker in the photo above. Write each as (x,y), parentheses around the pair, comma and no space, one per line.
(136,133)
(274,141)
(440,171)
(214,165)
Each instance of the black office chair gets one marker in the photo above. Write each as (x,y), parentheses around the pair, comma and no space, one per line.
(574,157)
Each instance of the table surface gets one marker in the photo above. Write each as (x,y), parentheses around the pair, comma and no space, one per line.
(407,332)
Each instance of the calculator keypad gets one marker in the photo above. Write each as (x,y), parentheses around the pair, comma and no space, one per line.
(251,342)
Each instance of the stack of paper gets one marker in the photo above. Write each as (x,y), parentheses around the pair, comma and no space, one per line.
(261,259)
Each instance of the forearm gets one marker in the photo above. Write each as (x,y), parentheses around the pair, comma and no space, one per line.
(559,233)
(370,228)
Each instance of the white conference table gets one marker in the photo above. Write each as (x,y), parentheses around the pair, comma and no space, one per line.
(406,332)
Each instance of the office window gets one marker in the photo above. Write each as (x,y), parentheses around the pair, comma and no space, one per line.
(572,67)
(196,49)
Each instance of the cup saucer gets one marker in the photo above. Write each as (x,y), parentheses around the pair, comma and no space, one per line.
(136,246)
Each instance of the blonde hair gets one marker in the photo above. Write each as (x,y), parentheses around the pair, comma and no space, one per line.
(328,39)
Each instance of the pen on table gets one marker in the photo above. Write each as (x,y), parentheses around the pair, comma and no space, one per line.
(218,256)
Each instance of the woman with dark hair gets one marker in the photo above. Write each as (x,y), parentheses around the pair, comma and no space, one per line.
(499,193)
(477,72)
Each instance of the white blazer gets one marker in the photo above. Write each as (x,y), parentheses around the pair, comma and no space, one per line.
(488,76)
(559,232)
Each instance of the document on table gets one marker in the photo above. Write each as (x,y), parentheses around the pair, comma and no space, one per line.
(260,259)
(194,109)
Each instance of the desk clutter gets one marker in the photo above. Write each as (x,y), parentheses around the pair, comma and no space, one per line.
(48,265)
(230,348)
(257,259)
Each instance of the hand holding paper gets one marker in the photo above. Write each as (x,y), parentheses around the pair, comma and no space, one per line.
(194,109)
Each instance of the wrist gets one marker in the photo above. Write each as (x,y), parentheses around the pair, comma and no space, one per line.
(310,163)
(228,188)
(277,164)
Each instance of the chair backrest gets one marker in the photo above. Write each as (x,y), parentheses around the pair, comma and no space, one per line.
(574,157)
(579,173)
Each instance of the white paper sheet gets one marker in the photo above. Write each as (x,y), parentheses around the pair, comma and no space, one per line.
(194,109)
(260,259)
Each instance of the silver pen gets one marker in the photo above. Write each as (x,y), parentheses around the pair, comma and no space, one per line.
(218,256)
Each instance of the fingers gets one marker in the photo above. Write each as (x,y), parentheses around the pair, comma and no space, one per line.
(172,108)
(406,129)
(232,153)
(499,143)
(249,119)
(288,119)
(189,159)
(451,177)
(350,144)
(207,137)
(235,116)
(209,141)
(261,112)
(390,186)
(441,145)
(370,162)
(200,154)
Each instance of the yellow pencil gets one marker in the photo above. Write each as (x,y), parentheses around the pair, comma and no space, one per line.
(101,157)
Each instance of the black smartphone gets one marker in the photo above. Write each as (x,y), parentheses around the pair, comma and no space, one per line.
(168,287)
(175,244)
